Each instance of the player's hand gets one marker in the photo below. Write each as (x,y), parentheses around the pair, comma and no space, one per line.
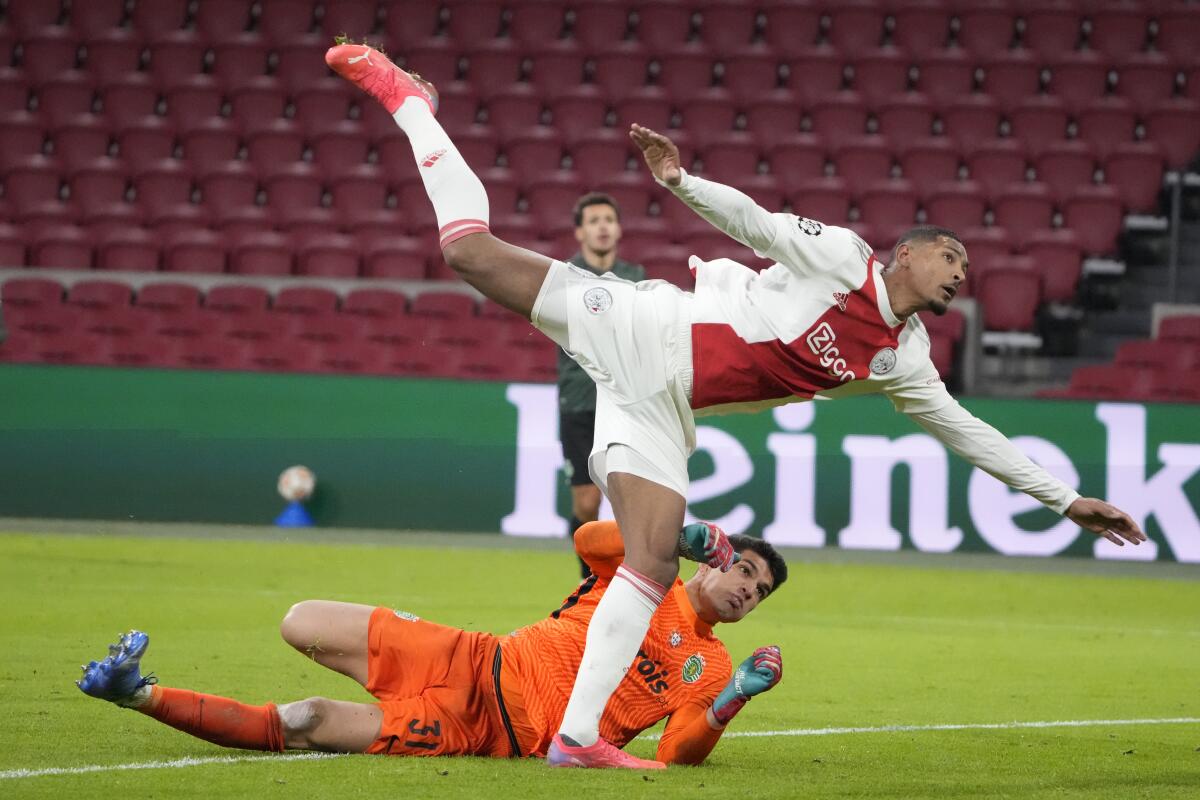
(707,544)
(1105,519)
(661,154)
(757,674)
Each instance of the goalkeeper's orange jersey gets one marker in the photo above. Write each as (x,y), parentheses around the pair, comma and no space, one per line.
(678,672)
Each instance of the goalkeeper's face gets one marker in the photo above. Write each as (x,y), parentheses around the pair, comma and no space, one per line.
(729,596)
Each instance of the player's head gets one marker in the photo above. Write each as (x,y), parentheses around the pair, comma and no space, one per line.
(730,596)
(933,263)
(597,224)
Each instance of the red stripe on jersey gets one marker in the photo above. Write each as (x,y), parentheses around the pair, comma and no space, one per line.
(837,348)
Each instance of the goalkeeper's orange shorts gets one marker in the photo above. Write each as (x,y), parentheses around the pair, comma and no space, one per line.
(436,686)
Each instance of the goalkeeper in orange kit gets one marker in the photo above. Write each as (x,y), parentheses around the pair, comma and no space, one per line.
(446,691)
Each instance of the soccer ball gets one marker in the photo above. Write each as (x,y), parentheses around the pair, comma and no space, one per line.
(296,483)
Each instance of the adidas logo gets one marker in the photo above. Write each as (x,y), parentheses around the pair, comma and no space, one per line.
(840,298)
(432,158)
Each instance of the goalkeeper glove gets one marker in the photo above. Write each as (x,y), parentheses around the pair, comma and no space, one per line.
(755,675)
(707,544)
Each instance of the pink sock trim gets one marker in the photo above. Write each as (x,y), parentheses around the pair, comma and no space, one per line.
(460,228)
(652,590)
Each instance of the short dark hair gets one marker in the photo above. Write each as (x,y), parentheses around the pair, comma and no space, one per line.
(775,562)
(594,199)
(924,234)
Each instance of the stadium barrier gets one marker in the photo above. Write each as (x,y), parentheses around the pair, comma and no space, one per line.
(103,443)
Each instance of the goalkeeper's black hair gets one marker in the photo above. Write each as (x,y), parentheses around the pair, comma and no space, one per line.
(769,554)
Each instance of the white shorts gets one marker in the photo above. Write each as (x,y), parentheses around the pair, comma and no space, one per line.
(635,341)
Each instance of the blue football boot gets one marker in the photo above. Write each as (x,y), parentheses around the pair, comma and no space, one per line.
(118,676)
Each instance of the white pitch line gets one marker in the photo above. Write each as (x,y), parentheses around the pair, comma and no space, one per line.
(190,761)
(978,726)
(971,726)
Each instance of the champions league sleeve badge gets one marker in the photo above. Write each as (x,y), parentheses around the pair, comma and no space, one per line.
(883,362)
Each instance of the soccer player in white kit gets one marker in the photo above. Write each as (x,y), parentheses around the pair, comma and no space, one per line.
(827,319)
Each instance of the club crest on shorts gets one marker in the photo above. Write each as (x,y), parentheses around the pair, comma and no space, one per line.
(883,362)
(693,668)
(408,616)
(597,299)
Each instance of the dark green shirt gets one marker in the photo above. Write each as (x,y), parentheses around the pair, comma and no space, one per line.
(576,391)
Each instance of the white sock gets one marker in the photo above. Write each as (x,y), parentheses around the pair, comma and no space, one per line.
(458,196)
(617,629)
(139,698)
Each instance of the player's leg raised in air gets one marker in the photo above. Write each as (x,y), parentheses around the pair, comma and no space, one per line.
(648,507)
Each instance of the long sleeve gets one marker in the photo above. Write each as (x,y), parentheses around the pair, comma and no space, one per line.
(688,738)
(601,547)
(732,211)
(988,449)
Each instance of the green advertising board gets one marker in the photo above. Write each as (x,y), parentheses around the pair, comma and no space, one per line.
(99,443)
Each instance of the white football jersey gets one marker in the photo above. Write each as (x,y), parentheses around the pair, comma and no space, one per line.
(817,322)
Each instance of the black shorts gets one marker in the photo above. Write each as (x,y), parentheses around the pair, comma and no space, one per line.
(576,430)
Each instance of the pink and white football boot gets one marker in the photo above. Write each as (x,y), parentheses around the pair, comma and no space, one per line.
(601,755)
(372,71)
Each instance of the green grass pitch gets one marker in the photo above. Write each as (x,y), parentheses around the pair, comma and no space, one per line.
(920,642)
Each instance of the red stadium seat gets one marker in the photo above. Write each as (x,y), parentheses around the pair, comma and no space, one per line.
(920,25)
(1023,208)
(824,199)
(1011,77)
(81,140)
(536,24)
(33,15)
(534,151)
(550,196)
(66,95)
(709,115)
(579,113)
(329,257)
(775,120)
(275,146)
(839,115)
(222,19)
(355,18)
(996,163)
(798,158)
(49,52)
(234,298)
(359,189)
(557,74)
(132,98)
(375,303)
(1175,127)
(1107,123)
(22,138)
(399,257)
(1118,31)
(1094,213)
(145,142)
(685,72)
(815,73)
(238,60)
(727,27)
(856,25)
(1009,298)
(514,110)
(284,19)
(662,26)
(1136,171)
(750,74)
(443,305)
(194,251)
(31,293)
(599,25)
(1058,258)
(194,101)
(1184,327)
(494,70)
(1039,121)
(1146,79)
(985,28)
(169,296)
(307,300)
(970,118)
(258,102)
(212,141)
(791,27)
(261,253)
(649,106)
(601,155)
(32,181)
(1178,32)
(905,118)
(957,205)
(945,75)
(862,159)
(929,163)
(131,249)
(159,17)
(889,203)
(880,74)
(1176,356)
(163,184)
(340,148)
(301,63)
(111,53)
(99,294)
(1065,167)
(176,56)
(474,22)
(1052,29)
(231,185)
(730,159)
(1078,78)
(621,70)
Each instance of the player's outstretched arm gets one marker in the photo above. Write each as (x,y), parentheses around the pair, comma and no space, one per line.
(733,212)
(987,448)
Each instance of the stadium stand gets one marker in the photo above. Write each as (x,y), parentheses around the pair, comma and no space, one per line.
(207,140)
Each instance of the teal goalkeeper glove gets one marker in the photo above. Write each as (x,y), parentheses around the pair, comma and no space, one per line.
(755,675)
(707,544)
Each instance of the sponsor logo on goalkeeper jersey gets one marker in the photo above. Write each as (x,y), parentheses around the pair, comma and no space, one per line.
(822,342)
(406,615)
(693,668)
(652,673)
